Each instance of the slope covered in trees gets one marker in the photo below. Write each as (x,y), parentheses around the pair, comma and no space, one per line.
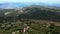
(39,19)
(41,13)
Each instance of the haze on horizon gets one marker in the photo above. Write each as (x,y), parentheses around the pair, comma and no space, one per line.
(32,1)
(21,3)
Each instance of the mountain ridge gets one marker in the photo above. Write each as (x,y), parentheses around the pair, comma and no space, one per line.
(19,5)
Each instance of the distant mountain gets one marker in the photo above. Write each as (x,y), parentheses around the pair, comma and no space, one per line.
(12,5)
(19,5)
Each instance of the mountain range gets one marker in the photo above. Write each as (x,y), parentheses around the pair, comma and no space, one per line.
(19,5)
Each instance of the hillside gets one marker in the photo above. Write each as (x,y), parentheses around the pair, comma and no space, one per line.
(38,20)
(44,13)
(32,12)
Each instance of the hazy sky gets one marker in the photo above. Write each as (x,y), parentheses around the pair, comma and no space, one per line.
(46,1)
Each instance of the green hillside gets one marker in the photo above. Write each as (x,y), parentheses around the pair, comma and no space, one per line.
(36,20)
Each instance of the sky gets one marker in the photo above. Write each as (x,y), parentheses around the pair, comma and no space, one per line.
(26,1)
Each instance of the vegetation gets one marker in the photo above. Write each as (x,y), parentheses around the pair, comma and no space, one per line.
(40,20)
(35,27)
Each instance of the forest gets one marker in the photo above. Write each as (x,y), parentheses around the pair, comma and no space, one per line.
(32,19)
